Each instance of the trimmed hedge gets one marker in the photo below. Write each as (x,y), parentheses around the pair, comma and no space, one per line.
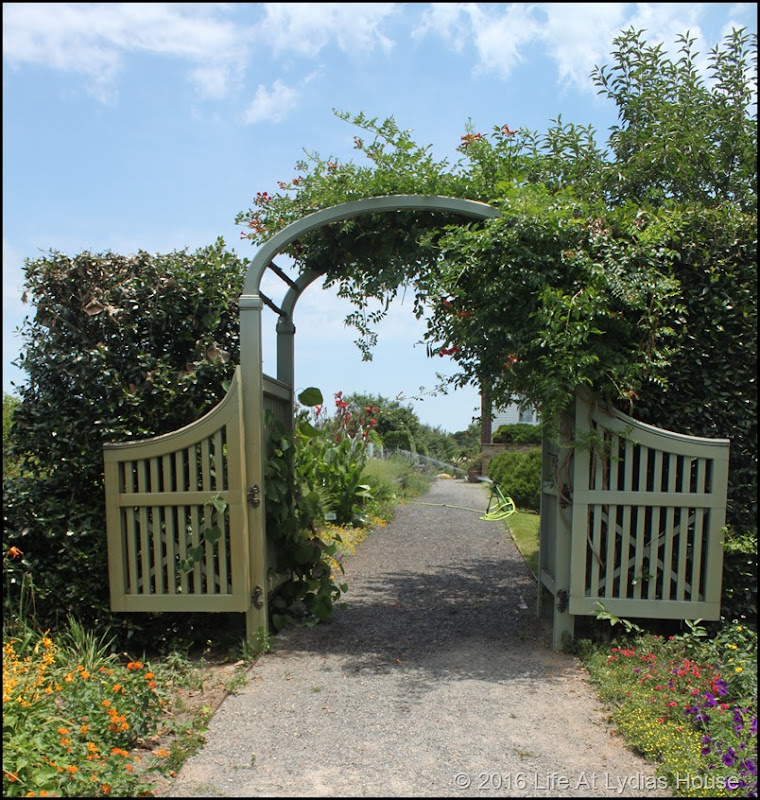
(518,476)
(518,433)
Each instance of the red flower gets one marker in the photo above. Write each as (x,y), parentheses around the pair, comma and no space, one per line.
(507,132)
(469,138)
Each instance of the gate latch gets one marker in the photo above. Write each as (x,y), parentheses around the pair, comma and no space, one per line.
(257,597)
(254,495)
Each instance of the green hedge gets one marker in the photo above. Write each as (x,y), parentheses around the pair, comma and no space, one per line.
(519,476)
(519,433)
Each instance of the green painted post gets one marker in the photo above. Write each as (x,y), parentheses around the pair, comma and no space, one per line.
(254,458)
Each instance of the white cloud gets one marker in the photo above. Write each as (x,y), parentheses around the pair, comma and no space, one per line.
(576,36)
(271,105)
(92,39)
(307,28)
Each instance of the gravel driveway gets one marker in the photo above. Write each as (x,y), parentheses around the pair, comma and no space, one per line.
(437,680)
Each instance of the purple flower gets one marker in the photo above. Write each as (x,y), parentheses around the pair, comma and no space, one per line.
(710,701)
(729,757)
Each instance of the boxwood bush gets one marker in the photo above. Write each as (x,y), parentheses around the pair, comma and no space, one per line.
(518,476)
(518,433)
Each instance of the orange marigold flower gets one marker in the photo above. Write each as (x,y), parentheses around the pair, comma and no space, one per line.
(149,675)
(63,731)
(72,769)
(162,752)
(117,687)
(106,703)
(14,552)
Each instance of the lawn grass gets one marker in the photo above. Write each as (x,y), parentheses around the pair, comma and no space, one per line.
(523,527)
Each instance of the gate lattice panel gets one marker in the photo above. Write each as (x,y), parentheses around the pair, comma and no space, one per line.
(176,516)
(648,514)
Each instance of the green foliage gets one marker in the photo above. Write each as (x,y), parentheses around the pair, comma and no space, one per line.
(71,714)
(629,271)
(739,595)
(518,433)
(679,138)
(313,474)
(518,475)
(117,348)
(10,462)
(399,440)
(392,480)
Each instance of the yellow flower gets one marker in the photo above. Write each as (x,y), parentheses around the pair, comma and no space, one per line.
(739,669)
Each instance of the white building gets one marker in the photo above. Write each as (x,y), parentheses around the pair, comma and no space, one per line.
(512,415)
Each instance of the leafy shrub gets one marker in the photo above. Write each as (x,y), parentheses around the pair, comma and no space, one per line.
(519,433)
(739,596)
(518,476)
(118,348)
(398,440)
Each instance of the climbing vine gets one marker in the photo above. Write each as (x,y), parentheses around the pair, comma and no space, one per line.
(627,269)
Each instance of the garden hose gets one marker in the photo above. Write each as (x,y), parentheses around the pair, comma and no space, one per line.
(503,508)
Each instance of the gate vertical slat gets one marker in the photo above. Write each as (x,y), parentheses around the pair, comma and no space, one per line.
(157,522)
(625,539)
(132,563)
(669,532)
(641,515)
(625,544)
(654,532)
(219,486)
(683,533)
(208,548)
(699,519)
(169,486)
(180,462)
(142,486)
(195,523)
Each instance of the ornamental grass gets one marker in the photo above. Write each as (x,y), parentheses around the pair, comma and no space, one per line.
(687,703)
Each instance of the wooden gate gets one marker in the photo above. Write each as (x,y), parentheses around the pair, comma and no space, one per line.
(632,520)
(176,516)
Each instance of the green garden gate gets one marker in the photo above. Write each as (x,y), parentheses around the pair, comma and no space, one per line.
(634,523)
(632,520)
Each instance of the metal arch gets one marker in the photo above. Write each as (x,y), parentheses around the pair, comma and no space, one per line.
(251,304)
(354,208)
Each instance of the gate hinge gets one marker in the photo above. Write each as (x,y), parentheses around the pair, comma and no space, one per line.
(562,601)
(257,597)
(254,495)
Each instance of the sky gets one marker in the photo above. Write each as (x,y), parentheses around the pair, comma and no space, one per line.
(150,126)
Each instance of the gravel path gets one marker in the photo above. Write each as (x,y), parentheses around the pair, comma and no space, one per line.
(437,680)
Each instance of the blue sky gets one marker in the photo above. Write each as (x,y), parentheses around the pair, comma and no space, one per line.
(149,126)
